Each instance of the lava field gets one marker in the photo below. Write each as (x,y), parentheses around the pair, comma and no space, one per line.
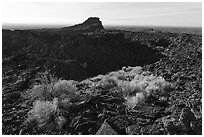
(84,79)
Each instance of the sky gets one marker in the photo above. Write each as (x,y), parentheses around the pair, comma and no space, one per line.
(186,14)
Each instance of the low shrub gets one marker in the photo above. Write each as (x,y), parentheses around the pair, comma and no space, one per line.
(39,92)
(132,87)
(135,85)
(45,78)
(42,89)
(107,82)
(51,98)
(65,89)
(53,89)
(142,86)
(46,114)
(132,101)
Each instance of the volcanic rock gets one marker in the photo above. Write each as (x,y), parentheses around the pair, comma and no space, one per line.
(133,129)
(106,129)
(81,52)
(186,118)
(171,126)
(91,24)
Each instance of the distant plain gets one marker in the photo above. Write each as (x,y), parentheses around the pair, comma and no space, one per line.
(189,30)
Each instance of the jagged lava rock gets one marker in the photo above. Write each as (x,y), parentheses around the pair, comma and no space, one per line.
(186,118)
(106,129)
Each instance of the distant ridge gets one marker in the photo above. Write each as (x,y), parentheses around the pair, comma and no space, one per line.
(91,24)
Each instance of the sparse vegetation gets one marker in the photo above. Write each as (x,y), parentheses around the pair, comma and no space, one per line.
(48,97)
(44,112)
(144,84)
(135,84)
(51,88)
(134,100)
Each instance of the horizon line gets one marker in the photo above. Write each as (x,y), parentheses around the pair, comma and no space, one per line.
(69,25)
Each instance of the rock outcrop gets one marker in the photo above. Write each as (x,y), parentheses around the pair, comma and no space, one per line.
(106,129)
(91,24)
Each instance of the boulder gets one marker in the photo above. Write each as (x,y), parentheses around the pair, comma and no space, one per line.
(106,129)
(186,117)
(133,129)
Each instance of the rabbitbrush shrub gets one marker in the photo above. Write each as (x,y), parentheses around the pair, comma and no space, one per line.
(65,89)
(106,82)
(43,89)
(49,99)
(144,84)
(46,114)
(135,85)
(50,90)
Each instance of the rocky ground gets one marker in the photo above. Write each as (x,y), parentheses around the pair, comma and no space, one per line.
(180,112)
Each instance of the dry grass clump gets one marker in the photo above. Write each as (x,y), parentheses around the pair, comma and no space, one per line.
(107,82)
(64,89)
(50,90)
(132,101)
(135,84)
(49,98)
(141,90)
(43,89)
(144,84)
(46,114)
